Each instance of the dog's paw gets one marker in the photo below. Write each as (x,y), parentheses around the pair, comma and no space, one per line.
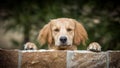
(30,46)
(94,47)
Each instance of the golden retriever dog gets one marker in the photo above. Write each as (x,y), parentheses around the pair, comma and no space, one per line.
(63,34)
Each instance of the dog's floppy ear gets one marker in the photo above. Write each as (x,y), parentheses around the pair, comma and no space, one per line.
(80,35)
(45,35)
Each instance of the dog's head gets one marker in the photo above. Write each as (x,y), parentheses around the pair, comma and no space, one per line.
(63,32)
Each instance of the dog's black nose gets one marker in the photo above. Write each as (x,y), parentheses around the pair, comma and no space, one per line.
(63,39)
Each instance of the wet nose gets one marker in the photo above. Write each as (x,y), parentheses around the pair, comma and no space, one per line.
(63,39)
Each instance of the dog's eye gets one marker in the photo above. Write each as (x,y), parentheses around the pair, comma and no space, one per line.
(69,29)
(56,30)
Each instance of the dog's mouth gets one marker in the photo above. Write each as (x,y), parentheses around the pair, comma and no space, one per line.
(64,46)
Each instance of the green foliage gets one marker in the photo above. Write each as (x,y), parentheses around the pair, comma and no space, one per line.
(101,18)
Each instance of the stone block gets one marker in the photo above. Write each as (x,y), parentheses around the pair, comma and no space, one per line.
(8,58)
(86,59)
(43,59)
(114,59)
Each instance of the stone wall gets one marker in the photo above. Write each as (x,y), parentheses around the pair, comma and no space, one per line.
(58,59)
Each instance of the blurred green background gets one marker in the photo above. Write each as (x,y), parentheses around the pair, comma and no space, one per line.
(21,20)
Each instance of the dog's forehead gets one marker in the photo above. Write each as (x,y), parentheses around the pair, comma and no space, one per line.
(63,22)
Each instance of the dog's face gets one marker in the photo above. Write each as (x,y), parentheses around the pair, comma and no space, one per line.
(62,32)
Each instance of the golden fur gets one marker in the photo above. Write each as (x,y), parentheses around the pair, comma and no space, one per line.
(47,33)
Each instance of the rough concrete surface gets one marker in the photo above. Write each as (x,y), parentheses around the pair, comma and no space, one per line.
(58,59)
